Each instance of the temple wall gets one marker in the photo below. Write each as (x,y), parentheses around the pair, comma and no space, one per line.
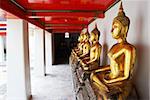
(138,35)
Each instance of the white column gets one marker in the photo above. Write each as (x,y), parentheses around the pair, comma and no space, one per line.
(48,51)
(39,52)
(19,86)
(1,49)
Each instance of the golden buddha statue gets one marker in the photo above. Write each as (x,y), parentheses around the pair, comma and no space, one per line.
(82,47)
(73,53)
(116,77)
(80,44)
(86,46)
(92,62)
(83,44)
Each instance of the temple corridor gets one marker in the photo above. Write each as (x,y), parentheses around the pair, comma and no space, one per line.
(74,49)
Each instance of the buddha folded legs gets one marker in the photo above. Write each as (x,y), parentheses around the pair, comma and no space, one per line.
(90,66)
(105,91)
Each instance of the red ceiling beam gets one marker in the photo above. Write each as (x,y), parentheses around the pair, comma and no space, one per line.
(64,27)
(74,5)
(65,14)
(8,6)
(66,5)
(68,22)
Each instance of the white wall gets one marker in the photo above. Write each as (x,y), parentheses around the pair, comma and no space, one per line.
(138,35)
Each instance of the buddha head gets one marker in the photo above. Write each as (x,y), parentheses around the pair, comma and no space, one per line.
(95,33)
(120,25)
(85,35)
(81,37)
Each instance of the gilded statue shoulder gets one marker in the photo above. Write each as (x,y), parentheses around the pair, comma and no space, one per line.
(113,47)
(130,46)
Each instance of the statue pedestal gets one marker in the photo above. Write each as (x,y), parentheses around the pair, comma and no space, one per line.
(82,86)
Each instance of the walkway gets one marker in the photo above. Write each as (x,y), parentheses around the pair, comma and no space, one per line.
(57,85)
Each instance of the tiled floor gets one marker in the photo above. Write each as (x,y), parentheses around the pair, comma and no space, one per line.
(57,85)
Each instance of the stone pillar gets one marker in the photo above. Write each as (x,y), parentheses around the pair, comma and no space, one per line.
(19,84)
(48,51)
(39,52)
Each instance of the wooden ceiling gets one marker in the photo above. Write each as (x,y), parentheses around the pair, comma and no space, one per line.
(58,16)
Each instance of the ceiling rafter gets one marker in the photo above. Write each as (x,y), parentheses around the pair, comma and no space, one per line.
(18,5)
(99,14)
(109,7)
(8,6)
(67,11)
(48,25)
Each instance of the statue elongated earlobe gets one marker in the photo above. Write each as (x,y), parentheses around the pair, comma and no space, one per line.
(126,30)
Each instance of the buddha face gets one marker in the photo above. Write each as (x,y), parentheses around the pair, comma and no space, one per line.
(86,36)
(119,31)
(116,30)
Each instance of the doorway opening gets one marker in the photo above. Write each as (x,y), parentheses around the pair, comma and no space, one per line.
(61,47)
